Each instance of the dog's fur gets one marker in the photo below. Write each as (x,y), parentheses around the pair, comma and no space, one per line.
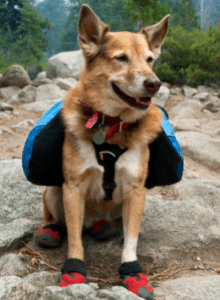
(125,59)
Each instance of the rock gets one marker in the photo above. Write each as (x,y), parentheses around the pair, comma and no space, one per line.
(27,94)
(65,84)
(201,89)
(5,106)
(189,92)
(40,106)
(49,92)
(41,75)
(4,115)
(211,107)
(117,293)
(38,82)
(201,148)
(177,230)
(204,190)
(1,76)
(4,130)
(190,288)
(162,96)
(13,233)
(65,64)
(186,109)
(202,96)
(9,92)
(43,279)
(12,265)
(15,76)
(26,124)
(186,125)
(19,198)
(12,287)
(166,84)
(175,91)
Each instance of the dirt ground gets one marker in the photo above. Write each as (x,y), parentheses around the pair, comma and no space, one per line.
(103,270)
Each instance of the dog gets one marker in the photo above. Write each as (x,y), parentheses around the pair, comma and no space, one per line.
(111,105)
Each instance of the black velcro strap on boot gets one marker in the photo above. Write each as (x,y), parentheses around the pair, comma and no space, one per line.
(130,268)
(55,227)
(74,265)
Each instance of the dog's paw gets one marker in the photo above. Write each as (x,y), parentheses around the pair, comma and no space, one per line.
(137,284)
(72,278)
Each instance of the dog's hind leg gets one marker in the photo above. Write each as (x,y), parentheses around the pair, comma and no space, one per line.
(53,210)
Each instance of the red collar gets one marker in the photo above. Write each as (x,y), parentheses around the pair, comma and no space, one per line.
(115,122)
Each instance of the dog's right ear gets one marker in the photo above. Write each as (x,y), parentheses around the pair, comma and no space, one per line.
(91,31)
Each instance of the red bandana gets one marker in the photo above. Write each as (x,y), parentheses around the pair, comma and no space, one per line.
(114,121)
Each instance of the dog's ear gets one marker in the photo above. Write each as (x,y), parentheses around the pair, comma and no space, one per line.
(156,34)
(91,31)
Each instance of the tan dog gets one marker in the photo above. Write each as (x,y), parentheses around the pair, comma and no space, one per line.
(117,81)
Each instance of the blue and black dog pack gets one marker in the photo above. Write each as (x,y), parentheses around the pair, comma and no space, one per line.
(42,154)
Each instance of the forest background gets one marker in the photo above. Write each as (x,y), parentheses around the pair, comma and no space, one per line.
(33,30)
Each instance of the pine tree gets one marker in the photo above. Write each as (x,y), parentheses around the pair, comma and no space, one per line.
(32,43)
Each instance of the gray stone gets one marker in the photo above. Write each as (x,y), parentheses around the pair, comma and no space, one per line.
(162,96)
(40,106)
(177,230)
(175,91)
(25,95)
(186,109)
(4,115)
(26,124)
(201,89)
(201,148)
(186,125)
(9,92)
(13,233)
(4,130)
(43,279)
(65,84)
(15,76)
(202,96)
(117,293)
(12,287)
(18,197)
(5,106)
(41,75)
(190,288)
(49,92)
(211,107)
(207,191)
(65,64)
(12,265)
(38,82)
(189,92)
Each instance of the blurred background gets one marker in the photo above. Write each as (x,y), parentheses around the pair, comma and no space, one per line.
(33,31)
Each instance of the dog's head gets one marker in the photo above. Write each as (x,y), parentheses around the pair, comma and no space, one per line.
(118,75)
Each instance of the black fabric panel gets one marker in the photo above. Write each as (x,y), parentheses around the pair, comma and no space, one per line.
(74,265)
(45,165)
(163,164)
(130,268)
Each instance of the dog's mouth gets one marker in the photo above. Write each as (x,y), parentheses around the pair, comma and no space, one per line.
(141,103)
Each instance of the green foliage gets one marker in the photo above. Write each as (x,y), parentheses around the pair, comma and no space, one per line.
(110,12)
(32,43)
(190,57)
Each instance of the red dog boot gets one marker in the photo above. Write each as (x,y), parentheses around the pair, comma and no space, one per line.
(73,272)
(135,281)
(103,229)
(51,235)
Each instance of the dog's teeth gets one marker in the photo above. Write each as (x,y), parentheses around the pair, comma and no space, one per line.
(138,100)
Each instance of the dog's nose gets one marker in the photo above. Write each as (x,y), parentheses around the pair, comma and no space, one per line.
(152,85)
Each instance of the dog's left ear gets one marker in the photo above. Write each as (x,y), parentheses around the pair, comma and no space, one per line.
(91,31)
(156,34)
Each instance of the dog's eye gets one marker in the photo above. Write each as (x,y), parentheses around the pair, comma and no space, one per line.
(150,59)
(122,58)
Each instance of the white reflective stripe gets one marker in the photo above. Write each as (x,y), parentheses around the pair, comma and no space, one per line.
(107,152)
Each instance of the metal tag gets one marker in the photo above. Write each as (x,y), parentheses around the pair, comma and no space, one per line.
(99,138)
